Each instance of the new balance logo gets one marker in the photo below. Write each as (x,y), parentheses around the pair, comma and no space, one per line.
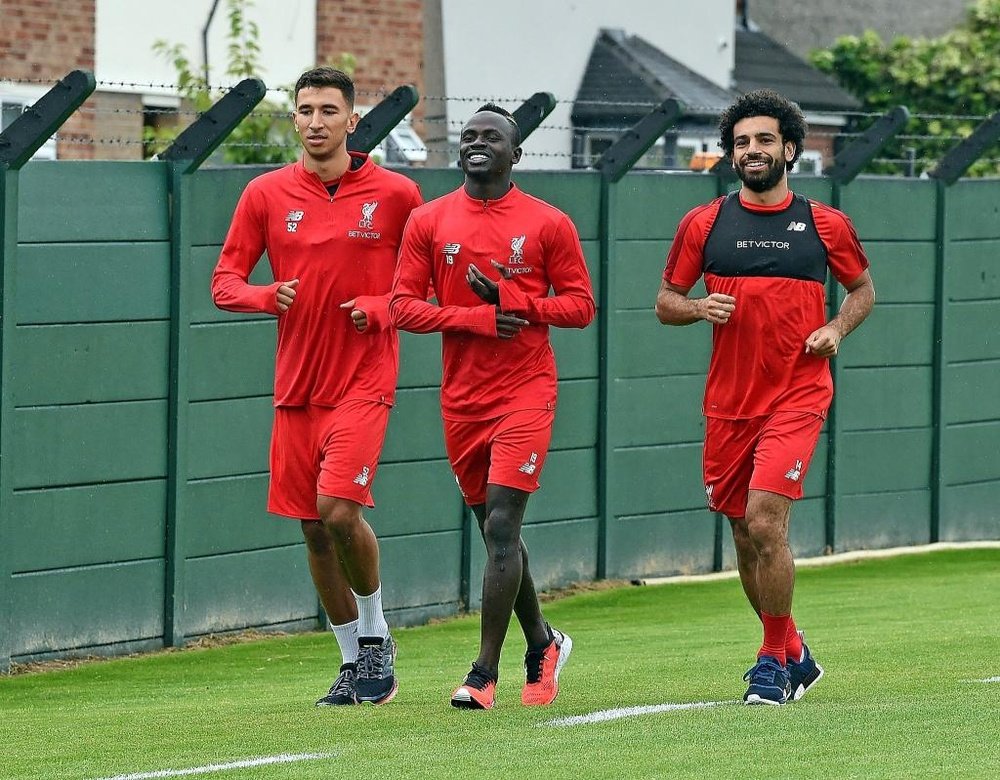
(531,464)
(293,219)
(450,251)
(795,472)
(363,476)
(798,227)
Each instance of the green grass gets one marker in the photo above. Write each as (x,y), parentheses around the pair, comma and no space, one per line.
(900,639)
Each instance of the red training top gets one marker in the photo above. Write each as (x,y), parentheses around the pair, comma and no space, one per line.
(773,260)
(485,376)
(339,247)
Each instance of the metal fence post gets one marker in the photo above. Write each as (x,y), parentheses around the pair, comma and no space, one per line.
(960,157)
(852,159)
(616,161)
(532,112)
(18,143)
(379,122)
(184,156)
(949,169)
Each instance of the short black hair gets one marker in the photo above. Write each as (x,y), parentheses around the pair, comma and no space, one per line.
(493,108)
(326,76)
(765,102)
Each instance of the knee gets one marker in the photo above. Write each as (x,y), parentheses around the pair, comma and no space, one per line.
(501,529)
(317,537)
(741,537)
(338,516)
(764,532)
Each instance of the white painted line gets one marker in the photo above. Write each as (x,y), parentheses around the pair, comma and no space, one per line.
(285,758)
(630,712)
(986,680)
(826,560)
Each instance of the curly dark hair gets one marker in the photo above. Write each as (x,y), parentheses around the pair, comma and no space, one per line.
(493,108)
(765,102)
(325,76)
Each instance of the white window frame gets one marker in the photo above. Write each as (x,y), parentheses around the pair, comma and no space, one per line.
(19,95)
(814,157)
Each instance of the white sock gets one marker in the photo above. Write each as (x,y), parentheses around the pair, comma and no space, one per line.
(347,639)
(371,621)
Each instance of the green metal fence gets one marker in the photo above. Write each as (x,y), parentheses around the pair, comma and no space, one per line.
(135,416)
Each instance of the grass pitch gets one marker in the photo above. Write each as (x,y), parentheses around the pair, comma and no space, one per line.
(911,647)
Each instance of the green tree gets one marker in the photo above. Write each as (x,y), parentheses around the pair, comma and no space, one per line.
(950,83)
(267,134)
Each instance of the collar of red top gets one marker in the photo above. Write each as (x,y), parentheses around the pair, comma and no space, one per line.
(775,207)
(350,175)
(508,197)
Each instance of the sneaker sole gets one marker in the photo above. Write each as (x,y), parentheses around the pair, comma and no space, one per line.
(322,703)
(803,687)
(753,699)
(464,701)
(382,699)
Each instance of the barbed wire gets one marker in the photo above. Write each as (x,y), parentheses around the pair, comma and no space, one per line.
(448,146)
(432,148)
(458,123)
(285,90)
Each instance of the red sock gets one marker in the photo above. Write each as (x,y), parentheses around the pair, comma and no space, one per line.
(793,642)
(775,634)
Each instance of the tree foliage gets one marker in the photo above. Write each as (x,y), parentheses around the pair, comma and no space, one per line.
(265,136)
(952,83)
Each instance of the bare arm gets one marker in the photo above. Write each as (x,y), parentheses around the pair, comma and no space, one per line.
(857,305)
(673,307)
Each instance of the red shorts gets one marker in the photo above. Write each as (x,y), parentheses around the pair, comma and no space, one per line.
(508,450)
(769,453)
(325,451)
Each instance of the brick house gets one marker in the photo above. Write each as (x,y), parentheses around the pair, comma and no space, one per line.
(43,40)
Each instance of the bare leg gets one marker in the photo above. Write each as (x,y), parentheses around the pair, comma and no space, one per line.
(354,541)
(526,607)
(746,561)
(328,574)
(767,529)
(503,578)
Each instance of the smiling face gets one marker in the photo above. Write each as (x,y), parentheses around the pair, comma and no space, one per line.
(760,156)
(486,148)
(323,118)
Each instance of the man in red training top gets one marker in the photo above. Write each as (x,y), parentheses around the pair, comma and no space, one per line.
(764,253)
(331,225)
(493,253)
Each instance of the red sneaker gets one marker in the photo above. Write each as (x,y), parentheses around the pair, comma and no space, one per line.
(478,692)
(541,668)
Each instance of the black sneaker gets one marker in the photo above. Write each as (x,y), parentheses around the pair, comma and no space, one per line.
(342,691)
(376,681)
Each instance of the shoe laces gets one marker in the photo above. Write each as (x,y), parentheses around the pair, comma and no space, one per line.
(371,661)
(344,684)
(478,678)
(533,660)
(765,665)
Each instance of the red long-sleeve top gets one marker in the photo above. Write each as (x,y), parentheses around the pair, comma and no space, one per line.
(340,248)
(485,376)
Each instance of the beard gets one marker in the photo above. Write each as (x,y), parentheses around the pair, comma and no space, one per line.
(762,180)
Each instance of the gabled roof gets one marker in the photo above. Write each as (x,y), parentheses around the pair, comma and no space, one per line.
(763,62)
(624,70)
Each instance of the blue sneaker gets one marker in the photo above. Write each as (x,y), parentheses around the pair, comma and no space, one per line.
(768,682)
(804,673)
